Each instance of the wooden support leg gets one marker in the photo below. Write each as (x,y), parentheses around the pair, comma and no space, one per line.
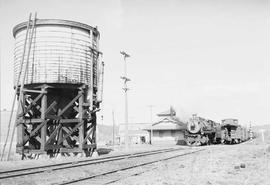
(81,128)
(43,116)
(56,127)
(20,127)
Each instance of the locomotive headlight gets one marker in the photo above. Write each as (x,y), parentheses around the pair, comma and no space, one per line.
(193,127)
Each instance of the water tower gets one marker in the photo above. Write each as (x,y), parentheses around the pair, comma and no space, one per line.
(62,89)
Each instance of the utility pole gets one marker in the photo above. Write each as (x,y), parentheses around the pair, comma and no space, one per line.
(0,102)
(151,131)
(102,118)
(125,79)
(113,128)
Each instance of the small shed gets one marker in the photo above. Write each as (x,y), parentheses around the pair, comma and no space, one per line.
(136,133)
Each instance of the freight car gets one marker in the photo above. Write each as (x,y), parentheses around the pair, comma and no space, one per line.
(232,132)
(201,131)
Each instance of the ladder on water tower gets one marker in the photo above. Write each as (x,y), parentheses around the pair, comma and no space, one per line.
(20,82)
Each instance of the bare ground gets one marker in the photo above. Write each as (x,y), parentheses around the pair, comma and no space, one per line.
(244,164)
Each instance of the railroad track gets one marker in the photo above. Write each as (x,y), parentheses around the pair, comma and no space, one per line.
(84,180)
(9,174)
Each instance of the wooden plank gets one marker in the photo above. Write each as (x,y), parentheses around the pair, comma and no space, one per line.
(26,138)
(59,135)
(38,138)
(53,117)
(81,128)
(52,147)
(76,109)
(43,115)
(66,129)
(72,131)
(32,102)
(37,106)
(70,103)
(90,126)
(86,104)
(90,146)
(88,135)
(63,121)
(21,128)
(28,121)
(53,134)
(51,107)
(70,150)
(32,91)
(76,138)
(70,143)
(38,120)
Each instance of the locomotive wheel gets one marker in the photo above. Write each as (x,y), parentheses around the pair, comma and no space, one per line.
(190,143)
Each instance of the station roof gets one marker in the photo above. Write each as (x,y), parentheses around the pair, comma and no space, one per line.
(168,123)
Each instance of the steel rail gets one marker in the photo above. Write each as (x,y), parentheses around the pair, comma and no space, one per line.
(134,174)
(60,166)
(125,168)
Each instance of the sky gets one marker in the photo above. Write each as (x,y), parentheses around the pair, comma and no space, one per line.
(207,57)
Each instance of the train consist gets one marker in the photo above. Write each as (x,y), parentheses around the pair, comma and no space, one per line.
(201,131)
(232,132)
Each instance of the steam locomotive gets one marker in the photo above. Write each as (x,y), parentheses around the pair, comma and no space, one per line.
(201,131)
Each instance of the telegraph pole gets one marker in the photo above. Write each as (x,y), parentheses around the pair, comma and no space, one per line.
(125,79)
(151,131)
(0,97)
(113,128)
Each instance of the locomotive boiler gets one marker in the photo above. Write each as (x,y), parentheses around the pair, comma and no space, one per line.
(201,131)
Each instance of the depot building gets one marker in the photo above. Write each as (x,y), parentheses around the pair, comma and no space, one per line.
(168,130)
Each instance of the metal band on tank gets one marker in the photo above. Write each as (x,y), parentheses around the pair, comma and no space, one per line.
(55,22)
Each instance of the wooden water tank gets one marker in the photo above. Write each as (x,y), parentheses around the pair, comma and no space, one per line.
(61,52)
